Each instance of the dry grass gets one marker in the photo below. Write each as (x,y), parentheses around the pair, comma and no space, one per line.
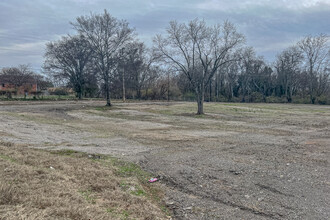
(37,184)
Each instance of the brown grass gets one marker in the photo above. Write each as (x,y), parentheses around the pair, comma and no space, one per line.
(37,184)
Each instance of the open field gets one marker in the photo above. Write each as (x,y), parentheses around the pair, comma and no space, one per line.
(239,161)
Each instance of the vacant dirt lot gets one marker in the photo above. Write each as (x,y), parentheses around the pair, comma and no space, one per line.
(239,161)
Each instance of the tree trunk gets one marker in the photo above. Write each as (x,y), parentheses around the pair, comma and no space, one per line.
(200,100)
(217,87)
(286,91)
(79,91)
(311,87)
(200,107)
(168,87)
(231,94)
(124,95)
(312,99)
(210,99)
(80,95)
(107,93)
(147,93)
(290,95)
(138,93)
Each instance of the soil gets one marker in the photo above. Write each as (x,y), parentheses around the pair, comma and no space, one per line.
(239,161)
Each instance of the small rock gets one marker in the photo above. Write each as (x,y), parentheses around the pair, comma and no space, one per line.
(132,188)
(52,168)
(235,172)
(247,196)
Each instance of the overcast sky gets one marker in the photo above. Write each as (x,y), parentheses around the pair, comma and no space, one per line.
(269,25)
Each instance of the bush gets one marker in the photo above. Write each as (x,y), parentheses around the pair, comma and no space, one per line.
(301,100)
(322,100)
(256,97)
(276,99)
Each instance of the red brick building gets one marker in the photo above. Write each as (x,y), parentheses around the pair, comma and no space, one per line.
(28,87)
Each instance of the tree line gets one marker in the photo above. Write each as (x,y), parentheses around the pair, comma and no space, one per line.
(191,61)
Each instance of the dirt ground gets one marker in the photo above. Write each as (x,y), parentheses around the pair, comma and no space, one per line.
(239,161)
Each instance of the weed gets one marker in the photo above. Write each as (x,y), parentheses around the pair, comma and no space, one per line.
(126,169)
(125,214)
(87,194)
(110,210)
(5,157)
(124,186)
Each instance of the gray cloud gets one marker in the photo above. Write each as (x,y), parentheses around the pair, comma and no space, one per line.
(269,25)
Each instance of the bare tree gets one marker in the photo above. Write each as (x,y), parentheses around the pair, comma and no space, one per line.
(68,59)
(288,67)
(134,65)
(106,35)
(247,59)
(198,51)
(316,51)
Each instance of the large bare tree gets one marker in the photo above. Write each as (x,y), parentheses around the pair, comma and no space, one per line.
(198,51)
(106,35)
(67,59)
(317,55)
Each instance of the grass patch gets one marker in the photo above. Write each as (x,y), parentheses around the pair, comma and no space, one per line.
(42,185)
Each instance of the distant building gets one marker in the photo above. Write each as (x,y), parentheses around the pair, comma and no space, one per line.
(28,87)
